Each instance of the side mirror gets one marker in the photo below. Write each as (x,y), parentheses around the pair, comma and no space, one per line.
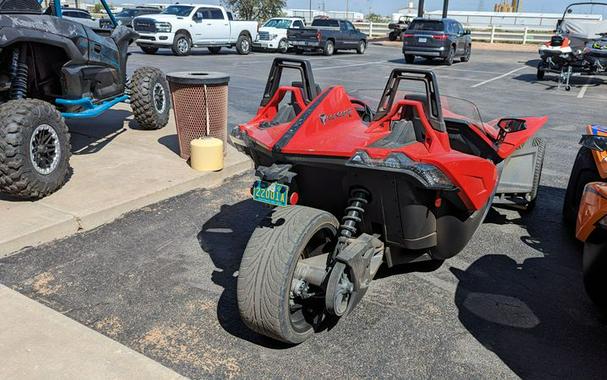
(509,126)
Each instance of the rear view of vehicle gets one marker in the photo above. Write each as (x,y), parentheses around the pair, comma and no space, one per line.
(586,206)
(328,36)
(445,39)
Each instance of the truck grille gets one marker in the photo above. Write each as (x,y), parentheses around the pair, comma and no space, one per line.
(144,25)
(264,36)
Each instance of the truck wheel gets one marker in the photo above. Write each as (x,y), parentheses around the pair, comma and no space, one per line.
(283,46)
(266,301)
(467,54)
(150,100)
(214,49)
(329,48)
(243,44)
(362,46)
(584,171)
(410,59)
(450,56)
(182,45)
(149,49)
(594,270)
(34,149)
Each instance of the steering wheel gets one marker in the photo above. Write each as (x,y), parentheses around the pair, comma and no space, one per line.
(366,113)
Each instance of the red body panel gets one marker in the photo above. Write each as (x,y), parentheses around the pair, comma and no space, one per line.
(331,127)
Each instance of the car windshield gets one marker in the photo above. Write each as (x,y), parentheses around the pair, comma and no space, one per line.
(178,10)
(278,23)
(428,25)
(126,13)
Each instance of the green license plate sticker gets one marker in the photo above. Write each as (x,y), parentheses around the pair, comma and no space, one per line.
(271,193)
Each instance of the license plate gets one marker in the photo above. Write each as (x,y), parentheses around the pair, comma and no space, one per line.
(422,40)
(271,193)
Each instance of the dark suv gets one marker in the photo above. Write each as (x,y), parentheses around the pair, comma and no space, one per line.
(445,38)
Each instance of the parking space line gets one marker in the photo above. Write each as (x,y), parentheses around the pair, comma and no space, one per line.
(352,65)
(582,92)
(447,68)
(498,77)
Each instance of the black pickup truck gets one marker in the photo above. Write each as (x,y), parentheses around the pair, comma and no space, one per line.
(328,36)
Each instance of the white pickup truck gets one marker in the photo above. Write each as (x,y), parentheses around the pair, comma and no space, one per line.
(183,26)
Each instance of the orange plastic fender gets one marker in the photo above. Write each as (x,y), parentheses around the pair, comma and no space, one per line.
(593,208)
(599,157)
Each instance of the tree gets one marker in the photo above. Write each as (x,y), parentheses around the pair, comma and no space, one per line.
(374,17)
(256,9)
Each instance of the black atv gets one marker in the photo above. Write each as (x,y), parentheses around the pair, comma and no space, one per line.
(52,69)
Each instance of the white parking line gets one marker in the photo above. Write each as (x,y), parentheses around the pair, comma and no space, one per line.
(498,77)
(447,68)
(582,92)
(345,66)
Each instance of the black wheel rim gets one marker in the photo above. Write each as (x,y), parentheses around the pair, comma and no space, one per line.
(45,149)
(306,313)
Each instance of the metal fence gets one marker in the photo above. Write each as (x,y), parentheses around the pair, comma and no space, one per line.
(521,35)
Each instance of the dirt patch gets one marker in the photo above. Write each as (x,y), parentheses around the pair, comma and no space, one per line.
(183,345)
(43,284)
(111,326)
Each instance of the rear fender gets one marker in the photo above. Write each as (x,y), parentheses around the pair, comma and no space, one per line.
(593,208)
(514,140)
(600,158)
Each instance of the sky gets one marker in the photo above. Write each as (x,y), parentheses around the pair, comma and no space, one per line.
(387,7)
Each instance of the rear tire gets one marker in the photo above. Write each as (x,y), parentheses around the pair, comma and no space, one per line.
(467,54)
(450,57)
(409,59)
(540,71)
(265,300)
(243,44)
(182,45)
(214,49)
(594,269)
(150,99)
(34,149)
(584,171)
(329,49)
(149,49)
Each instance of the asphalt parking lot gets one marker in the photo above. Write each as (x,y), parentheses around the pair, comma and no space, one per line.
(162,280)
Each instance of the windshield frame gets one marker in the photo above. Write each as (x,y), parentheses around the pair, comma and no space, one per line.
(176,6)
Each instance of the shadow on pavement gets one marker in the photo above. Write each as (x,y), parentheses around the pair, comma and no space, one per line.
(530,312)
(89,136)
(222,238)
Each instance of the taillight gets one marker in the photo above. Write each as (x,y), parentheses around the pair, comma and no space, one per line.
(440,36)
(318,36)
(407,35)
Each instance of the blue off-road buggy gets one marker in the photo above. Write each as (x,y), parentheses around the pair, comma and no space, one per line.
(52,69)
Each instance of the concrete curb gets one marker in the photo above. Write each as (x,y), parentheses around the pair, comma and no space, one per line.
(65,224)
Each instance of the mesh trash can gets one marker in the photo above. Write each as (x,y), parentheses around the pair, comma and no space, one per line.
(200,102)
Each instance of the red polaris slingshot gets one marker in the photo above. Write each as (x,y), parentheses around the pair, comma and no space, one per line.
(410,182)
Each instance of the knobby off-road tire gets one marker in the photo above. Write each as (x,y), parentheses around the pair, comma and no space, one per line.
(34,149)
(584,171)
(150,98)
(268,264)
(537,173)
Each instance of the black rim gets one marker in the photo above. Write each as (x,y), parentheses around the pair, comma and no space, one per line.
(310,312)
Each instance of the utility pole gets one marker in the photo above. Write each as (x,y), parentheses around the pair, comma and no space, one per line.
(311,17)
(347,9)
(420,8)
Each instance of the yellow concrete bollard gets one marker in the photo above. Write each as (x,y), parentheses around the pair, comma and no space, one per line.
(206,154)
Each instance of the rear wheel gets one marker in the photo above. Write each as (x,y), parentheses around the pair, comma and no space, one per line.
(149,49)
(34,149)
(393,36)
(243,44)
(595,272)
(450,56)
(540,71)
(410,59)
(150,100)
(214,49)
(584,171)
(266,299)
(182,45)
(362,46)
(329,49)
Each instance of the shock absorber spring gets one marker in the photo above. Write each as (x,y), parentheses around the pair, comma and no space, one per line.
(19,74)
(353,215)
